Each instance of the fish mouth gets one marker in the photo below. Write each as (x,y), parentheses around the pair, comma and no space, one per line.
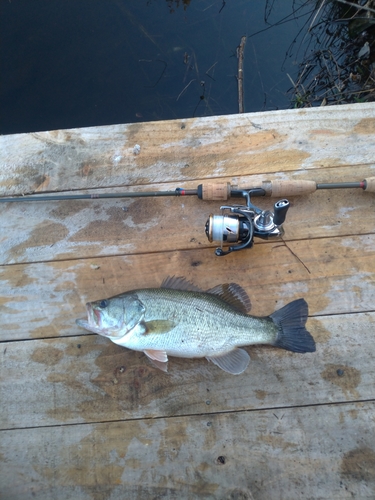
(93,322)
(93,316)
(83,323)
(88,323)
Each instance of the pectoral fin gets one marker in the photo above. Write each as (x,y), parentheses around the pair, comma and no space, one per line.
(234,362)
(158,358)
(159,326)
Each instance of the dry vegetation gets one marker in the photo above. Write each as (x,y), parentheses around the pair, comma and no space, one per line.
(339,62)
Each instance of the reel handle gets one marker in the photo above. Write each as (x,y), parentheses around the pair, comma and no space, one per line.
(280,209)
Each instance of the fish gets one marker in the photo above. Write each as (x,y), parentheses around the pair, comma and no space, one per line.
(179,319)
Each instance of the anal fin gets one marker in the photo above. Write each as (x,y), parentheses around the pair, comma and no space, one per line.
(158,358)
(234,362)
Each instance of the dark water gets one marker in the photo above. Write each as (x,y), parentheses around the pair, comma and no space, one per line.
(75,63)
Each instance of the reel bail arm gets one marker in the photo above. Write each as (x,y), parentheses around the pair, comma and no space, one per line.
(245,223)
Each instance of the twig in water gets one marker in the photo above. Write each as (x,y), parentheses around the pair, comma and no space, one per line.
(357,6)
(322,4)
(222,6)
(212,78)
(201,97)
(240,74)
(184,89)
(162,73)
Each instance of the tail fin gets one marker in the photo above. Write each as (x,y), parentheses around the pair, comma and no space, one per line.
(292,334)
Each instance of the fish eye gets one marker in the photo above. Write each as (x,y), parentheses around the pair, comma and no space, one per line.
(103,304)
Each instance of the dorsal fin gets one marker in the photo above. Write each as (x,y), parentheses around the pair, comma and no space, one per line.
(179,283)
(234,295)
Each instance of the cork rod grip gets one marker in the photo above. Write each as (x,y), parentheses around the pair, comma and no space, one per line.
(288,188)
(221,191)
(370,184)
(215,191)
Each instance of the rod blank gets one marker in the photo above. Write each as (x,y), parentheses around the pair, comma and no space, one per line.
(214,191)
(59,197)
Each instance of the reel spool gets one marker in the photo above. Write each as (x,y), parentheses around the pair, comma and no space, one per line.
(240,224)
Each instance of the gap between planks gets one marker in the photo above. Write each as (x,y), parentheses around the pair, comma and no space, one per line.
(88,334)
(277,242)
(188,415)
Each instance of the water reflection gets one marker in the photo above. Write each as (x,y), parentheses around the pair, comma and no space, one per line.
(74,64)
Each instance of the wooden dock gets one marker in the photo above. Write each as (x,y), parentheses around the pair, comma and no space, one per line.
(82,418)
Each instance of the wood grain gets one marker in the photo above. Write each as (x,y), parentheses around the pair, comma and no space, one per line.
(334,275)
(318,452)
(81,417)
(90,379)
(35,232)
(182,150)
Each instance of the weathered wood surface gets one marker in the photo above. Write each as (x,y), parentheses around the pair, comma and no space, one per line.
(316,452)
(182,150)
(88,379)
(81,417)
(67,229)
(44,299)
(315,144)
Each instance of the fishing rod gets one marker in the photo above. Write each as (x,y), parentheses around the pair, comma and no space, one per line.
(238,224)
(213,191)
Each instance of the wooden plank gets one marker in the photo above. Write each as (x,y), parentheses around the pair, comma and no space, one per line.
(319,452)
(335,275)
(181,150)
(84,418)
(90,379)
(35,232)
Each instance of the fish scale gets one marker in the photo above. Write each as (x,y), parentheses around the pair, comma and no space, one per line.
(204,325)
(179,320)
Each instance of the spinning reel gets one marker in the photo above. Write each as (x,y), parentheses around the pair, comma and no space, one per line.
(239,224)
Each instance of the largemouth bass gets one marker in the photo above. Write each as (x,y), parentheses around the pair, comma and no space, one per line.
(180,320)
